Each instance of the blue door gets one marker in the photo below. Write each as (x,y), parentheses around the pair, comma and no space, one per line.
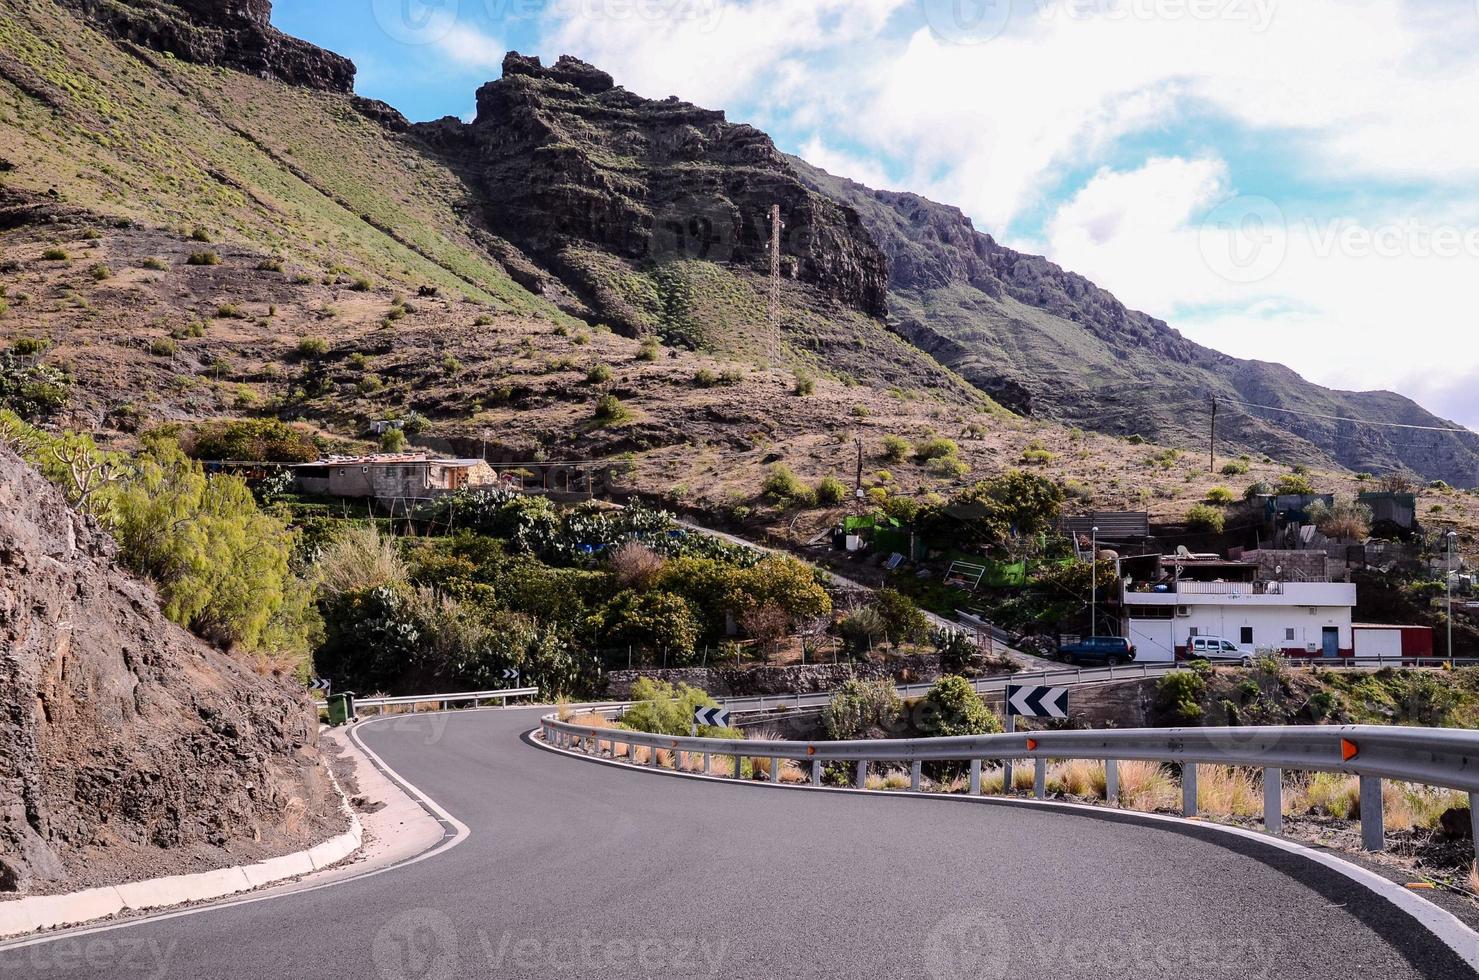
(1332,641)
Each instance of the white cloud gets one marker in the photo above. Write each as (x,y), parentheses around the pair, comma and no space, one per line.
(816,152)
(472,48)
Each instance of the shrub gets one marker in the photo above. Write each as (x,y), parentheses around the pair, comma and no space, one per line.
(861,709)
(100,272)
(949,467)
(1234,468)
(1202,517)
(902,619)
(483,320)
(952,707)
(661,708)
(1220,496)
(414,423)
(1346,520)
(1037,457)
(957,651)
(804,385)
(936,448)
(312,347)
(451,366)
(229,311)
(610,409)
(55,255)
(598,375)
(831,491)
(203,258)
(861,630)
(358,361)
(392,441)
(163,347)
(361,284)
(1259,489)
(200,234)
(1295,483)
(783,486)
(262,440)
(636,566)
(896,449)
(650,349)
(1179,693)
(33,391)
(272,264)
(704,378)
(29,346)
(1146,786)
(657,624)
(730,377)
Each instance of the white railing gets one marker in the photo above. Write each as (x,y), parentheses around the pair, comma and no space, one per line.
(443,701)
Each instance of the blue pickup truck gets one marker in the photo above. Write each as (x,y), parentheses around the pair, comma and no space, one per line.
(1098,651)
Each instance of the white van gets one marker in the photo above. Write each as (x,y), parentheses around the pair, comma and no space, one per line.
(1216,648)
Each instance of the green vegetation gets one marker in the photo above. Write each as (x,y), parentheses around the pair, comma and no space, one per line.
(804,385)
(609,409)
(1221,496)
(163,347)
(990,512)
(1294,483)
(831,491)
(1203,517)
(55,255)
(862,709)
(33,391)
(783,486)
(896,449)
(598,375)
(203,258)
(393,441)
(936,448)
(1235,468)
(952,707)
(312,347)
(664,709)
(256,440)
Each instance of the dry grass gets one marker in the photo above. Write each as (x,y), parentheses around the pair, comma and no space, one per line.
(1329,794)
(1083,778)
(1147,786)
(894,779)
(1229,791)
(1474,878)
(791,772)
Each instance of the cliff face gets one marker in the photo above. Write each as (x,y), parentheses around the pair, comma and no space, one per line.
(566,161)
(1048,342)
(128,748)
(230,33)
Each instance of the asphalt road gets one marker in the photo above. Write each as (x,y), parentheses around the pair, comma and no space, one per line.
(577,869)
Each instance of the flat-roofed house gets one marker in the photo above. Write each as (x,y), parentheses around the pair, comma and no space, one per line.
(392,476)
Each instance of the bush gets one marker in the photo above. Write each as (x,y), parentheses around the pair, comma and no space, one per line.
(100,272)
(661,708)
(1234,468)
(950,467)
(312,347)
(896,449)
(936,448)
(783,486)
(1220,496)
(902,619)
(1294,483)
(451,366)
(1347,520)
(272,264)
(392,441)
(55,255)
(163,347)
(952,707)
(29,346)
(1037,457)
(1179,694)
(259,440)
(483,320)
(650,349)
(658,624)
(831,491)
(804,385)
(203,258)
(861,630)
(704,378)
(957,651)
(610,409)
(636,566)
(1259,489)
(229,311)
(1202,517)
(862,709)
(33,391)
(598,375)
(200,234)
(361,284)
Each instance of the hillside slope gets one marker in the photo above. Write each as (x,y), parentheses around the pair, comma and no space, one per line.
(128,748)
(1049,343)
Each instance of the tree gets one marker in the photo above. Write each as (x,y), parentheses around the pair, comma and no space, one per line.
(1203,517)
(902,619)
(392,441)
(262,440)
(952,707)
(655,623)
(779,581)
(767,624)
(862,709)
(991,512)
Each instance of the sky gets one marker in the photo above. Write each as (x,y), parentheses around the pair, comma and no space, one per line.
(1287,180)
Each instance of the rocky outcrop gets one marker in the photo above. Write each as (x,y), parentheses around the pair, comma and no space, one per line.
(230,33)
(566,160)
(129,749)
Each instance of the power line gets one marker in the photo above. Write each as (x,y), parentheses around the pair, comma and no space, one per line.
(1341,418)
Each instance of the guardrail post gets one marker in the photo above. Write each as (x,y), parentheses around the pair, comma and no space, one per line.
(739,765)
(975,777)
(916,773)
(1040,778)
(1111,782)
(708,763)
(775,769)
(1273,800)
(1373,824)
(816,771)
(1474,820)
(652,756)
(1189,789)
(862,775)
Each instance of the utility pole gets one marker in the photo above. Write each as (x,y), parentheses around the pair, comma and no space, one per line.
(1094,595)
(1448,582)
(775,285)
(1212,440)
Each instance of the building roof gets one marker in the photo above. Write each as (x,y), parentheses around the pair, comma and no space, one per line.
(390,459)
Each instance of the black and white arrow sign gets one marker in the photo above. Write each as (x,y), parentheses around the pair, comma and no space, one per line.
(321,684)
(711,717)
(511,674)
(1038,702)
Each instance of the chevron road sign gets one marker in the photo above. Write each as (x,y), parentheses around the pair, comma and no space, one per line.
(511,674)
(320,684)
(711,717)
(1037,702)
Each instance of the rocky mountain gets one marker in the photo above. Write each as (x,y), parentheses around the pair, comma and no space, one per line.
(229,33)
(1049,343)
(128,748)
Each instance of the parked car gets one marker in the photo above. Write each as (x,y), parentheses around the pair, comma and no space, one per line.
(1216,648)
(1096,651)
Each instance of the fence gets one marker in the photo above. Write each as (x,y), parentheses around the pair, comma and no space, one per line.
(443,701)
(1444,758)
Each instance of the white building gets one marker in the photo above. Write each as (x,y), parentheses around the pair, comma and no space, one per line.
(1294,619)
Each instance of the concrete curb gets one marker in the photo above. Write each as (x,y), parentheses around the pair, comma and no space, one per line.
(39,912)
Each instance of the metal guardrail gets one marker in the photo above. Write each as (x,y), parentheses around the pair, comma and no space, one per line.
(1444,758)
(443,700)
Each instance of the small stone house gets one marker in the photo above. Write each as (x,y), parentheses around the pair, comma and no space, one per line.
(392,476)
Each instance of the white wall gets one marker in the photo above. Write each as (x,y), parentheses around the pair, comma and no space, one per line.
(1156,639)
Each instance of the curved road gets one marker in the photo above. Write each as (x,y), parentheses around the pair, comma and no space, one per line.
(577,869)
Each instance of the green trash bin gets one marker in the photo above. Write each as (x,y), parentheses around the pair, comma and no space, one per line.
(341,709)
